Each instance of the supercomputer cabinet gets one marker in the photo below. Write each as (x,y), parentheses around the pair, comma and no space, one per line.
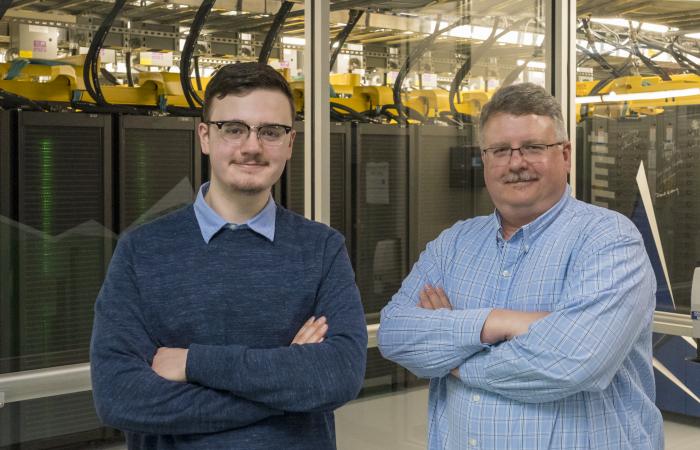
(291,186)
(56,214)
(380,240)
(446,182)
(159,166)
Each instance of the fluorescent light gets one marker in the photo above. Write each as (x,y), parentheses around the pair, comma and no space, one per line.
(693,35)
(293,40)
(613,97)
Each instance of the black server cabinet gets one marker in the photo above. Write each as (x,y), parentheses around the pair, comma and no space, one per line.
(56,174)
(291,187)
(446,182)
(380,240)
(678,199)
(159,166)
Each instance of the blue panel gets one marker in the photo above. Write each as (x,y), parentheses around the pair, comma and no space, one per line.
(671,353)
(641,220)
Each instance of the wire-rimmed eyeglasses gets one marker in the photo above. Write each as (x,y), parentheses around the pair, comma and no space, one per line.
(500,156)
(236,132)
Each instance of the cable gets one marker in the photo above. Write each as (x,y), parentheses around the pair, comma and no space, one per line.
(188,50)
(411,60)
(339,41)
(474,57)
(129,77)
(275,28)
(91,65)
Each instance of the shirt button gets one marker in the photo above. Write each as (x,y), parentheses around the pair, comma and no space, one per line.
(472,442)
(476,397)
(506,273)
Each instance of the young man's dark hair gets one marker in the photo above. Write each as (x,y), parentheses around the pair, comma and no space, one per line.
(240,79)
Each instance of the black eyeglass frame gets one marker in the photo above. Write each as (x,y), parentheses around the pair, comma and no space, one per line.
(491,150)
(220,123)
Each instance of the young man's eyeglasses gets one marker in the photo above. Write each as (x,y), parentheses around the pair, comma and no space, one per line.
(236,132)
(500,156)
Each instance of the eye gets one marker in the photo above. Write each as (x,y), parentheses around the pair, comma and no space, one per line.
(534,148)
(500,152)
(234,129)
(271,132)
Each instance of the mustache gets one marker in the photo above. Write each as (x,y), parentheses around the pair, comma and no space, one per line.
(519,176)
(250,161)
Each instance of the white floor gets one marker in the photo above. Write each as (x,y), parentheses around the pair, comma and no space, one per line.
(398,422)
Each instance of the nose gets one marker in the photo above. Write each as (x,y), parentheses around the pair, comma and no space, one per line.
(516,158)
(251,144)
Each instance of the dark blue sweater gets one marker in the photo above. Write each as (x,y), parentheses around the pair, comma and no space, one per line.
(236,303)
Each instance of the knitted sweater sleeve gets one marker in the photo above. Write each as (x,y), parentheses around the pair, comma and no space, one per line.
(298,378)
(128,394)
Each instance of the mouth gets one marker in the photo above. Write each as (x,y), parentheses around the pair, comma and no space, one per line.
(520,180)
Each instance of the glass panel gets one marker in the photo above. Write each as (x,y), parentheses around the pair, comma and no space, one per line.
(638,152)
(408,80)
(643,113)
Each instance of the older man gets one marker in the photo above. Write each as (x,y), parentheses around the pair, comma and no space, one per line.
(534,323)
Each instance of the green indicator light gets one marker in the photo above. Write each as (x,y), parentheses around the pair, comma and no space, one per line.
(46,198)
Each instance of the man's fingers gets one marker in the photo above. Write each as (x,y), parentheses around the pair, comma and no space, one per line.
(444,301)
(424,300)
(312,331)
(433,298)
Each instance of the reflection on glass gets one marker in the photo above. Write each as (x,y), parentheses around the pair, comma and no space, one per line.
(637,110)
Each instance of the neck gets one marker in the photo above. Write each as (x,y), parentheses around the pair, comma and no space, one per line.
(235,206)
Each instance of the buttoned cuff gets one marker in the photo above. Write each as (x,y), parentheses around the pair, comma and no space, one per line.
(467,331)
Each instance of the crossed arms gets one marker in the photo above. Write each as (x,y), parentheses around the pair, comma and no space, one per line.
(526,356)
(227,386)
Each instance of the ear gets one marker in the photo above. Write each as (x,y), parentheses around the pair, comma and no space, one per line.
(203,132)
(292,135)
(566,152)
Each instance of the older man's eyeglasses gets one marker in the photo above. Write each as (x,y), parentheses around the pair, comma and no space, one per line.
(236,132)
(534,153)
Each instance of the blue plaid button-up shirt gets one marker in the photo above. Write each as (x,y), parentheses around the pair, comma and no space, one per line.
(581,378)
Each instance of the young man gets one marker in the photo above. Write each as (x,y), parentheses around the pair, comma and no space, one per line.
(534,323)
(231,323)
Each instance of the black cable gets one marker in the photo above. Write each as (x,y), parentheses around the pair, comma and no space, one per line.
(129,77)
(474,57)
(274,30)
(4,6)
(188,50)
(411,60)
(196,73)
(91,65)
(339,41)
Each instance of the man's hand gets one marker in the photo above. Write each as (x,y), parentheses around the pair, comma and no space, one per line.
(433,298)
(505,324)
(312,332)
(170,363)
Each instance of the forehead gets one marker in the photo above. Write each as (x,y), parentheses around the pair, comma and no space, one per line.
(254,107)
(508,128)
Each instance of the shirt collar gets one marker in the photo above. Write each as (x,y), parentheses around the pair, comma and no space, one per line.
(532,230)
(211,223)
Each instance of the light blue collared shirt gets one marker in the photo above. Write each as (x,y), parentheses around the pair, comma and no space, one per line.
(211,223)
(580,379)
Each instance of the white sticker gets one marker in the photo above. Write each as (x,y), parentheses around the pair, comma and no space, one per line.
(377,183)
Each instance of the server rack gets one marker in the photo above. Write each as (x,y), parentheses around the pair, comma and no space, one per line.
(291,187)
(380,239)
(679,198)
(60,208)
(159,166)
(446,182)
